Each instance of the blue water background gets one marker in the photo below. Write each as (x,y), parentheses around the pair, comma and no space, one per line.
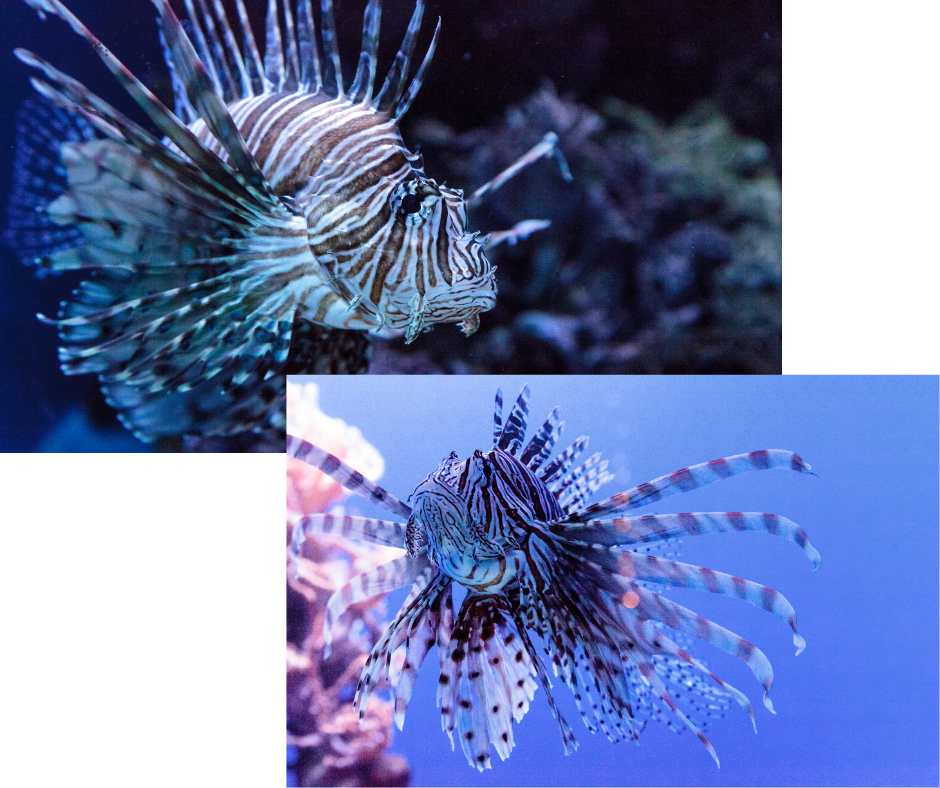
(859,706)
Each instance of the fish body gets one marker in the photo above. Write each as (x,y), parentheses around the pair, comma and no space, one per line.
(514,528)
(277,192)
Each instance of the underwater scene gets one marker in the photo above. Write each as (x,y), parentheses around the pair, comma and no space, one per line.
(525,579)
(201,196)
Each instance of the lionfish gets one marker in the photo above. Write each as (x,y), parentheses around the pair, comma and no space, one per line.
(277,192)
(514,529)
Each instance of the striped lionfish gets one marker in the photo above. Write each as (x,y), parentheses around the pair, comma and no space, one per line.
(514,529)
(277,191)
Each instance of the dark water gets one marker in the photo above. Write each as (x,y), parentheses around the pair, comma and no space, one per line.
(664,57)
(859,705)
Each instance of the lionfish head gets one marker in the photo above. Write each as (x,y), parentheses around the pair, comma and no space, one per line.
(436,506)
(448,278)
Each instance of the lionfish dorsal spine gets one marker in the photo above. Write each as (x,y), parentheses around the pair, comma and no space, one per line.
(254,66)
(363,82)
(90,106)
(311,79)
(510,439)
(498,416)
(331,45)
(230,53)
(274,72)
(388,96)
(405,103)
(206,101)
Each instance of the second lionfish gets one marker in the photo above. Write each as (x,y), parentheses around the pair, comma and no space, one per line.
(514,529)
(278,192)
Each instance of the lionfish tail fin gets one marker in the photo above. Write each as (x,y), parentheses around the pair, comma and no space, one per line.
(692,478)
(39,179)
(350,478)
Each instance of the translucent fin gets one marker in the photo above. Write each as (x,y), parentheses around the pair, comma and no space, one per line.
(364,528)
(39,178)
(379,580)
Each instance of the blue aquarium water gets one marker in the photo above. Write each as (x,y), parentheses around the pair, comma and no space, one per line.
(859,706)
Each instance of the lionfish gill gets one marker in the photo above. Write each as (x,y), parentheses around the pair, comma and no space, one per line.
(278,191)
(513,527)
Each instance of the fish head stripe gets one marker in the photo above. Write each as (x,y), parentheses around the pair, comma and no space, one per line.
(395,242)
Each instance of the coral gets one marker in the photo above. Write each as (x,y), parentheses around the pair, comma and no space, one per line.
(326,744)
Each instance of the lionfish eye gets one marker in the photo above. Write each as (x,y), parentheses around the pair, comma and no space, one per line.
(410,204)
(413,200)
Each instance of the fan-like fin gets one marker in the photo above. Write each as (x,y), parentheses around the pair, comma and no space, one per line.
(379,580)
(423,633)
(365,528)
(652,569)
(650,605)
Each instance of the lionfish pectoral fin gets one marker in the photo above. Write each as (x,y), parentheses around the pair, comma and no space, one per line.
(518,232)
(350,478)
(692,478)
(419,614)
(547,146)
(380,580)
